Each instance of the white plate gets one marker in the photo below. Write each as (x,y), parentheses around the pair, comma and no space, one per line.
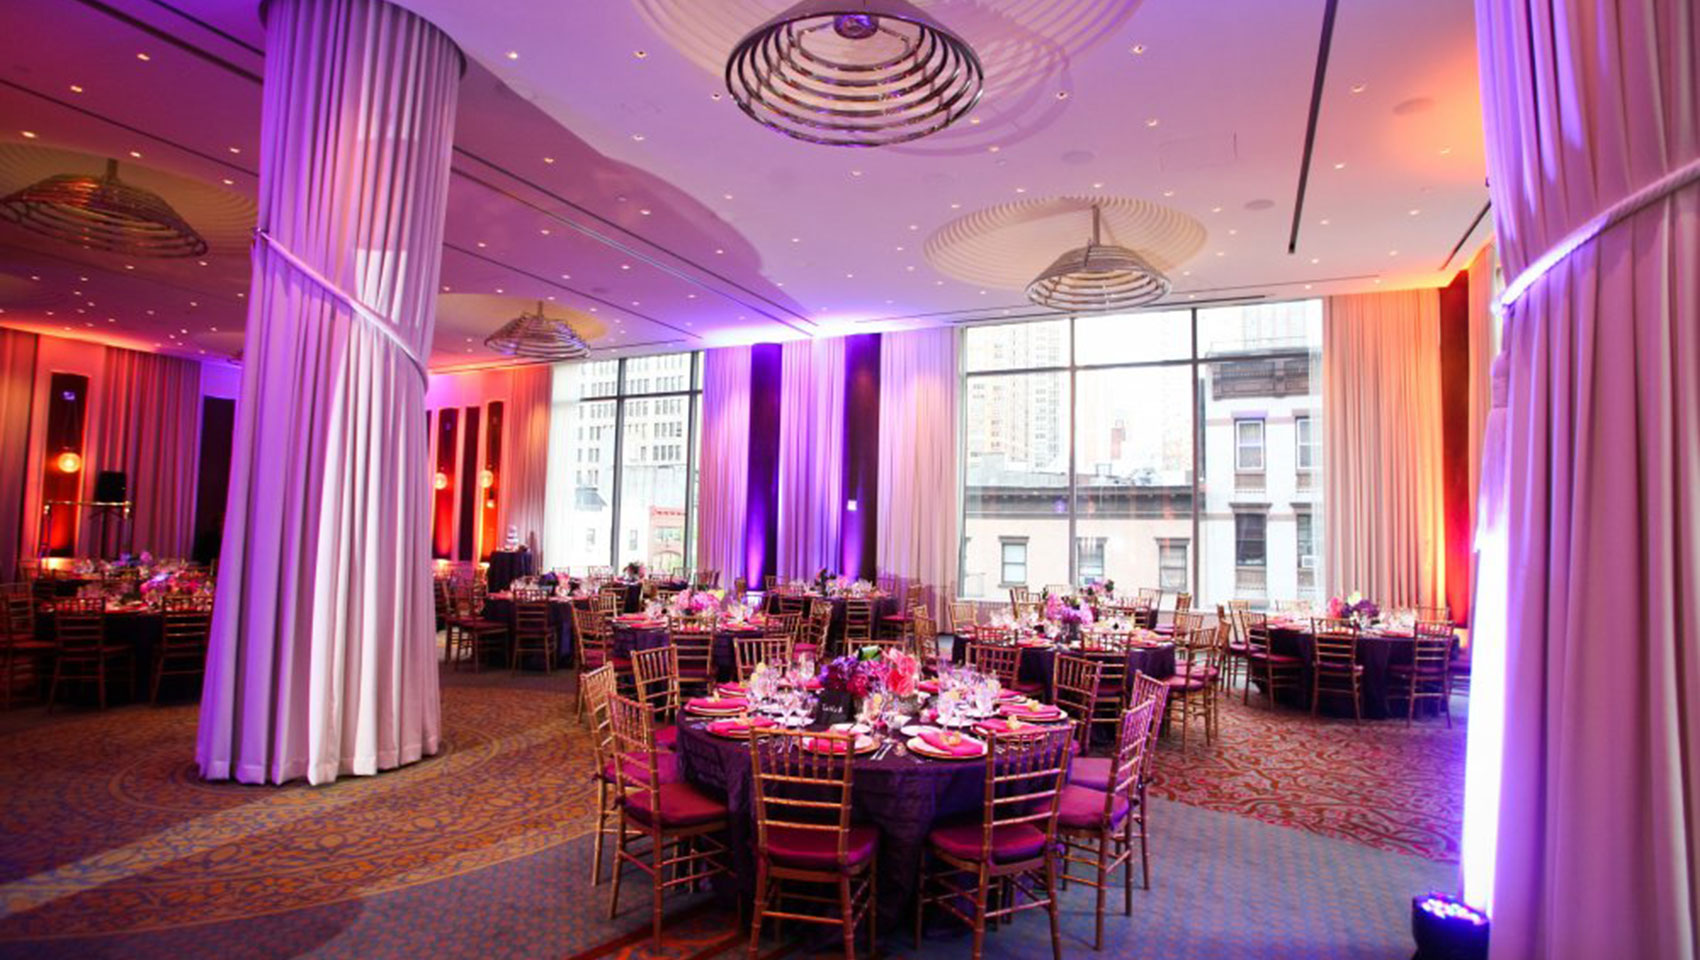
(919,746)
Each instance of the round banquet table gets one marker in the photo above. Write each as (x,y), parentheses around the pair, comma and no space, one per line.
(141,629)
(1376,653)
(1039,662)
(905,796)
(884,606)
(629,637)
(506,566)
(501,610)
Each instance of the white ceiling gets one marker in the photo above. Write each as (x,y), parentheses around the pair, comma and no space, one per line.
(675,221)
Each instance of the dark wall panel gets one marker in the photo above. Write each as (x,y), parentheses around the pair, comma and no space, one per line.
(443,482)
(67,410)
(212,484)
(469,484)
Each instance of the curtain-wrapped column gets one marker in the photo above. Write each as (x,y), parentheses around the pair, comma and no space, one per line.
(919,513)
(1593,137)
(323,658)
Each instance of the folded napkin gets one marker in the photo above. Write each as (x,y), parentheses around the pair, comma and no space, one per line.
(997,725)
(738,725)
(1010,695)
(813,683)
(824,745)
(1043,711)
(954,744)
(928,686)
(732,689)
(718,703)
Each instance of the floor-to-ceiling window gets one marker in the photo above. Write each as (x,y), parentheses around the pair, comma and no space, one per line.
(1176,449)
(623,462)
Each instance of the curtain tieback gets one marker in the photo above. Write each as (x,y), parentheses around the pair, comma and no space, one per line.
(1666,185)
(382,324)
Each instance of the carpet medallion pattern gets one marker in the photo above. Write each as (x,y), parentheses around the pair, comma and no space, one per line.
(89,852)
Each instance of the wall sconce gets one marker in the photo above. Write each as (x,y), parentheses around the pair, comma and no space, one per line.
(69,462)
(487,479)
(441,482)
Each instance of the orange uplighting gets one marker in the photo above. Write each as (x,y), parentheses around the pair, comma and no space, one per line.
(69,462)
(487,479)
(441,482)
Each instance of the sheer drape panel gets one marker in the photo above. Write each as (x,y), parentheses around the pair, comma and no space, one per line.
(527,465)
(918,484)
(1483,350)
(1385,530)
(148,425)
(17,393)
(811,455)
(323,656)
(722,498)
(1599,819)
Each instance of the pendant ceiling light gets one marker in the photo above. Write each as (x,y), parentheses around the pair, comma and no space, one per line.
(854,73)
(1098,277)
(538,337)
(103,213)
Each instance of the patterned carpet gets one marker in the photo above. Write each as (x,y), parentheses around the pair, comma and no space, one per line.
(114,848)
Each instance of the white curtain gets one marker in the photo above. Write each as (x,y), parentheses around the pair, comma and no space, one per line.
(527,460)
(1598,843)
(1385,528)
(148,426)
(723,494)
(811,456)
(323,658)
(916,531)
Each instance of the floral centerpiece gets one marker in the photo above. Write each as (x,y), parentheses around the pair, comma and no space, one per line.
(1098,591)
(176,582)
(1068,613)
(635,571)
(694,603)
(1355,607)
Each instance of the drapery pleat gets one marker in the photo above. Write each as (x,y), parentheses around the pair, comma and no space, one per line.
(1598,842)
(811,455)
(723,494)
(1483,350)
(17,394)
(1385,510)
(916,529)
(323,655)
(148,425)
(527,460)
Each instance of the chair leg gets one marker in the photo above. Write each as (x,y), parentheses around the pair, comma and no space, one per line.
(849,912)
(619,854)
(601,831)
(1051,902)
(655,891)
(980,893)
(53,687)
(759,910)
(1103,887)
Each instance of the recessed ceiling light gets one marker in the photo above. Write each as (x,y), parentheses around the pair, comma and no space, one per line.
(1215,209)
(625,266)
(855,173)
(718,251)
(714,96)
(899,249)
(1233,233)
(1307,286)
(640,54)
(513,54)
(500,290)
(201,262)
(1340,166)
(1168,193)
(638,137)
(143,57)
(1377,280)
(1323,221)
(1445,150)
(28,134)
(914,226)
(136,153)
(445,288)
(1020,189)
(994,148)
(566,276)
(229,182)
(973,121)
(1062,94)
(1359,87)
(796,239)
(849,276)
(1415,212)
(129,266)
(956,206)
(636,303)
(1098,186)
(1151,121)
(544,231)
(1221,253)
(1137,49)
(548,159)
(1393,253)
(1315,259)
(76,89)
(234,149)
(481,244)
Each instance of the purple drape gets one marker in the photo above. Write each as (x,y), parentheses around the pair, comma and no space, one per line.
(811,456)
(1599,819)
(323,658)
(17,393)
(148,425)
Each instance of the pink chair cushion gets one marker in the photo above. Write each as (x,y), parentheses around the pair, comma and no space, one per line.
(1021,841)
(682,805)
(818,849)
(1082,808)
(1031,688)
(1184,683)
(809,648)
(666,767)
(1279,659)
(1090,772)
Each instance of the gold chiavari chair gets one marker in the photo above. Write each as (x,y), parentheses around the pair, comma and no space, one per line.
(83,652)
(858,622)
(19,645)
(598,689)
(667,829)
(1198,665)
(469,632)
(665,595)
(926,639)
(1235,661)
(182,650)
(1433,613)
(1110,654)
(1277,671)
(749,651)
(440,599)
(1006,863)
(740,587)
(1074,688)
(1095,772)
(532,633)
(964,619)
(655,680)
(786,625)
(607,602)
(1334,664)
(1429,674)
(804,835)
(705,580)
(591,630)
(694,646)
(1096,826)
(817,630)
(1183,602)
(902,623)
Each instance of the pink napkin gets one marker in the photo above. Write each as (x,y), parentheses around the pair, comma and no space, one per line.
(738,725)
(718,703)
(928,686)
(963,747)
(1042,712)
(823,745)
(997,725)
(732,689)
(1010,695)
(813,684)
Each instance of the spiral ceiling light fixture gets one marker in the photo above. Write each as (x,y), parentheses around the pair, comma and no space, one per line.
(854,74)
(1098,278)
(535,336)
(103,213)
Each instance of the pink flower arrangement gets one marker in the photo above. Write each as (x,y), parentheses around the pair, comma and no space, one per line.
(1059,610)
(695,602)
(902,674)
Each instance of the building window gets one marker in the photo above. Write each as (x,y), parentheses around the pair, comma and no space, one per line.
(1251,538)
(1304,429)
(1172,567)
(1090,558)
(1014,562)
(1248,446)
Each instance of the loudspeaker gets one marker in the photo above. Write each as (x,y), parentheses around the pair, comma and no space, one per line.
(111,486)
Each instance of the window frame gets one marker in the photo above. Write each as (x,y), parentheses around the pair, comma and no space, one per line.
(1004,543)
(1261,446)
(1305,447)
(1171,543)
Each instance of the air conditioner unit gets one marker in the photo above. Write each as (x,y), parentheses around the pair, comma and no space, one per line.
(1307,563)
